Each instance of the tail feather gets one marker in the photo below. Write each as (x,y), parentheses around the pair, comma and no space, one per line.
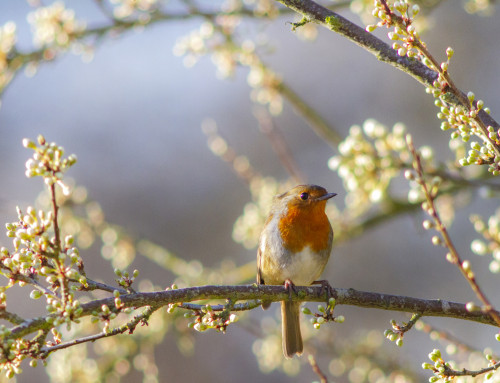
(291,336)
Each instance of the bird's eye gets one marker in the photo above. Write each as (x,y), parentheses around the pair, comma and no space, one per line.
(304,196)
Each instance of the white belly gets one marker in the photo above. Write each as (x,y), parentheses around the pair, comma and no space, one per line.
(303,268)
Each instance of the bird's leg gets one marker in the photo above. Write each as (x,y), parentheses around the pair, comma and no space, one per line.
(325,287)
(290,286)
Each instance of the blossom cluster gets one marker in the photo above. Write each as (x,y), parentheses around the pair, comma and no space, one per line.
(126,8)
(55,25)
(8,40)
(370,158)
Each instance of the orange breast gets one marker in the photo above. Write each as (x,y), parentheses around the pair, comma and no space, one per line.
(302,227)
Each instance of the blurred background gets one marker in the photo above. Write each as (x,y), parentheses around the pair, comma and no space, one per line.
(133,117)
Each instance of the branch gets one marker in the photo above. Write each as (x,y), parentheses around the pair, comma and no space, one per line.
(441,228)
(10,317)
(382,51)
(128,327)
(350,297)
(465,372)
(317,370)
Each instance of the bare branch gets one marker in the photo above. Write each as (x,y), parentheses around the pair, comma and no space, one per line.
(317,370)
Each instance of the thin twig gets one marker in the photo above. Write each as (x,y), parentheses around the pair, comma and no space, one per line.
(130,327)
(464,372)
(317,370)
(441,228)
(316,122)
(94,285)
(445,335)
(279,144)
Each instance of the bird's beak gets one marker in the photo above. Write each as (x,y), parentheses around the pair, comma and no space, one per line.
(326,196)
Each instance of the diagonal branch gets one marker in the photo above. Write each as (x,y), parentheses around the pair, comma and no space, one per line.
(382,51)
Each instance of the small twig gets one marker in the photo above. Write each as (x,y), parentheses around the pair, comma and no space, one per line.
(317,370)
(63,281)
(279,144)
(444,335)
(408,326)
(55,220)
(94,285)
(316,122)
(464,372)
(34,282)
(129,326)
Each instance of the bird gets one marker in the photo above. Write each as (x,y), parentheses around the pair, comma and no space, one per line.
(294,248)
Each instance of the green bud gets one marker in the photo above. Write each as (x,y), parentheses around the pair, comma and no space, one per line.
(27,143)
(435,355)
(69,240)
(340,319)
(36,294)
(428,224)
(399,342)
(436,240)
(306,311)
(471,306)
(409,175)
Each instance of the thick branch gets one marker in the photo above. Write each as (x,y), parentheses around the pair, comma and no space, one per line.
(270,293)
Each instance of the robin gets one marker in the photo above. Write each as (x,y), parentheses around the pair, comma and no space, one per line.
(294,248)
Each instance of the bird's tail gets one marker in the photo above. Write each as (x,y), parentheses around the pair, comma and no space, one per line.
(291,336)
